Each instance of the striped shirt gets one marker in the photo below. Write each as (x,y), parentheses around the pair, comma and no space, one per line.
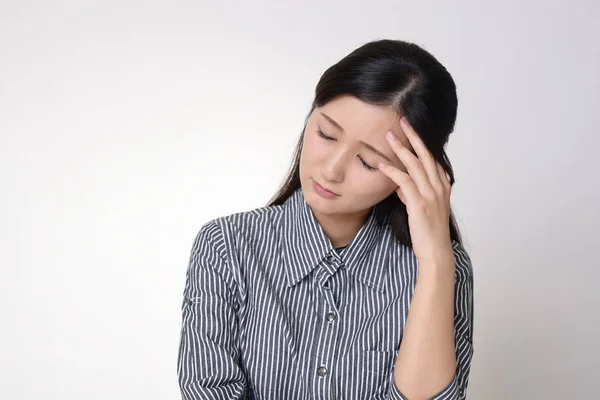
(272,310)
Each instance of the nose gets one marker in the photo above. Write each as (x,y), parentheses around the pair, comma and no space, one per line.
(334,167)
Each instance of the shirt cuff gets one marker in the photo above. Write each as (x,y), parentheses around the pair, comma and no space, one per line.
(450,392)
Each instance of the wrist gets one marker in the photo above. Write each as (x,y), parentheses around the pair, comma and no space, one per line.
(442,259)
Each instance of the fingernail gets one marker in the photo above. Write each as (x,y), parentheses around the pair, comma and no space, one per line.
(381,165)
(391,136)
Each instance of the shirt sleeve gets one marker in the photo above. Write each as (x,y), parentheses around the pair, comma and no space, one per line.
(463,331)
(208,362)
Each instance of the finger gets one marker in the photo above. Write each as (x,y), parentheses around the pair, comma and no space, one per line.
(429,163)
(404,181)
(413,165)
(400,194)
(444,177)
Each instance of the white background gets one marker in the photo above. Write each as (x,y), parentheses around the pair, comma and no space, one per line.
(124,126)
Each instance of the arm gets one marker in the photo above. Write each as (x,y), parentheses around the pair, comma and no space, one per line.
(435,354)
(208,354)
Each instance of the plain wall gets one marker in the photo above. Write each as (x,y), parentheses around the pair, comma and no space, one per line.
(124,126)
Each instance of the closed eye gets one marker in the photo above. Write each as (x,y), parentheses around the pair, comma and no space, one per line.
(324,136)
(367,166)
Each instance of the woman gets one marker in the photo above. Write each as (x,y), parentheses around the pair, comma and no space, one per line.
(309,296)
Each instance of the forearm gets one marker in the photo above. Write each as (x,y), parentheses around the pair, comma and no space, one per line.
(426,361)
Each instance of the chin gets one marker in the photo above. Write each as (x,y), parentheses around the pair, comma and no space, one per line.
(318,203)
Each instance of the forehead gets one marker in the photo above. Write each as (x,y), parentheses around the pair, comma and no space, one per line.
(362,120)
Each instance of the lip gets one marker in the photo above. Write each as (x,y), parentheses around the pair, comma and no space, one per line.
(324,192)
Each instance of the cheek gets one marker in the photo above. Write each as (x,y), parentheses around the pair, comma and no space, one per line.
(311,153)
(376,185)
(314,148)
(369,190)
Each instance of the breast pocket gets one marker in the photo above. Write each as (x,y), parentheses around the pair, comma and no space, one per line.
(372,374)
(379,362)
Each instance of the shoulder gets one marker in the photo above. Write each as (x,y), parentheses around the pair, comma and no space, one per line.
(243,225)
(464,266)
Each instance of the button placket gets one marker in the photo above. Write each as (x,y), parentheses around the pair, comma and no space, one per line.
(329,330)
(327,270)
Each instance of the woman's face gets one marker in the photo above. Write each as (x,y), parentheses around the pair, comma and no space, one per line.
(344,142)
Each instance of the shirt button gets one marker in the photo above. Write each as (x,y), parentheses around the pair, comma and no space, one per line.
(329,259)
(330,317)
(322,371)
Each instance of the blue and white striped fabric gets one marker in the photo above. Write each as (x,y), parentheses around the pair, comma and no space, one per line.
(273,311)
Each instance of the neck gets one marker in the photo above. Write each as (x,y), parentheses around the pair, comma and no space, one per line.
(341,228)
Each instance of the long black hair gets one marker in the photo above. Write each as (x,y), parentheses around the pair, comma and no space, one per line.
(404,76)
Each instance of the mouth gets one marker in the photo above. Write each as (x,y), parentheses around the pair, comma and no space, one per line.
(324,189)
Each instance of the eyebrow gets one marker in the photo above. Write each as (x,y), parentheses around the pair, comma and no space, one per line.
(367,145)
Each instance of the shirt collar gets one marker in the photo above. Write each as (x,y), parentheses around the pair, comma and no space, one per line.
(305,245)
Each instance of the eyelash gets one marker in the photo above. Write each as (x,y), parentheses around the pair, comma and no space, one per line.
(364,164)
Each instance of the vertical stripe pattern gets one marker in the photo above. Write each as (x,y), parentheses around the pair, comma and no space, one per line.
(272,310)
